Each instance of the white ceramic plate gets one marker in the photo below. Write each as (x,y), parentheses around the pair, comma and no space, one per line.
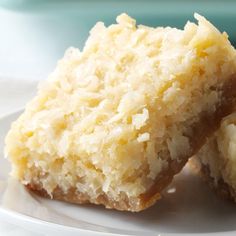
(187,207)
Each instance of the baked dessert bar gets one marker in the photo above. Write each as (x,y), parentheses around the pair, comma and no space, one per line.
(116,121)
(217,159)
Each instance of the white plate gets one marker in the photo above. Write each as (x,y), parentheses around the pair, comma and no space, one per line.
(192,209)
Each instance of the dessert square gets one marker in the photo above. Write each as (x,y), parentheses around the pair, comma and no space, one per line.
(116,121)
(216,160)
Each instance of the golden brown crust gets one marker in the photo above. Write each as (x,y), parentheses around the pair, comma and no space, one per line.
(206,125)
(123,204)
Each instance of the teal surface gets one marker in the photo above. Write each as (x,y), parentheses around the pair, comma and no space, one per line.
(48,27)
